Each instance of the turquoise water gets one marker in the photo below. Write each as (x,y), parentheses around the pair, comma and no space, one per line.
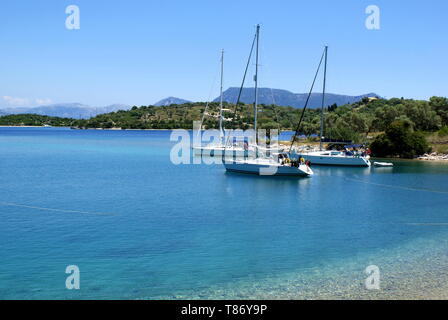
(137,226)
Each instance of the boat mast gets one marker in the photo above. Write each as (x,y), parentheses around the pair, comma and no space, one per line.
(221,97)
(256,85)
(306,104)
(235,110)
(323,101)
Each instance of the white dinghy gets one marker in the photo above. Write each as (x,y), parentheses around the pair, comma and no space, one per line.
(383,164)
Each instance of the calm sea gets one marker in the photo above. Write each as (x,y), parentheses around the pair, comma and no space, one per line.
(138,226)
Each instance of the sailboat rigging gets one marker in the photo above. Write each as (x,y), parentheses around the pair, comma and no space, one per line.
(221,132)
(281,165)
(330,157)
(217,149)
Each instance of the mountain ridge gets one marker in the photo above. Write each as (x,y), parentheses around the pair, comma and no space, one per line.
(283,97)
(169,101)
(279,97)
(266,96)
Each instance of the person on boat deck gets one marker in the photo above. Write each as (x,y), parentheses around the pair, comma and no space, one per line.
(302,160)
(281,159)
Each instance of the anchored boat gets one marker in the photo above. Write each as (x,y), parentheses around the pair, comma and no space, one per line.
(269,167)
(280,165)
(336,158)
(214,149)
(218,149)
(332,157)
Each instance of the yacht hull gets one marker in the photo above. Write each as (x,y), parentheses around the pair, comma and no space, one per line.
(267,169)
(329,160)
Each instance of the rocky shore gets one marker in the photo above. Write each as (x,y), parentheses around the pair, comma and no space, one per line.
(434,156)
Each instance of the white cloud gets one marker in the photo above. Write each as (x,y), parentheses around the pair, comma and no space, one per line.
(24,102)
(15,101)
(43,101)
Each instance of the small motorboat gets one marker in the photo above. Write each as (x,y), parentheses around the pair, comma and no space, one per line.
(383,164)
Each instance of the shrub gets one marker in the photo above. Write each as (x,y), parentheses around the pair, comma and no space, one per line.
(443,132)
(400,140)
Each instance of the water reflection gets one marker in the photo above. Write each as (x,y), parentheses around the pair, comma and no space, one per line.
(340,170)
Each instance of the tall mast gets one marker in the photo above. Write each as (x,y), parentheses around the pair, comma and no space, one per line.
(256,86)
(306,104)
(323,100)
(221,97)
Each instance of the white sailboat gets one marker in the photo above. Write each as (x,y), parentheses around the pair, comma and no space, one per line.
(268,167)
(332,157)
(219,148)
(336,158)
(261,165)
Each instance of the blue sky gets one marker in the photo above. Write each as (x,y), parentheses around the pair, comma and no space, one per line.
(137,52)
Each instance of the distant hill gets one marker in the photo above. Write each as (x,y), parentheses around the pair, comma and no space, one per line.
(287,98)
(67,110)
(36,120)
(169,101)
(266,96)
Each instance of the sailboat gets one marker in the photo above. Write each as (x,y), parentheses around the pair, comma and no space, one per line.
(219,148)
(334,157)
(262,165)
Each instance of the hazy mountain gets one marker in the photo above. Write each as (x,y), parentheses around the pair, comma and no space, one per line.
(170,100)
(287,98)
(113,108)
(67,110)
(265,96)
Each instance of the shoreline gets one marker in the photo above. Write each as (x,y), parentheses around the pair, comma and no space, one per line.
(68,127)
(9,126)
(433,158)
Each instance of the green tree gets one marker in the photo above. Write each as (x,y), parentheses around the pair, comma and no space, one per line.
(422,115)
(440,106)
(400,140)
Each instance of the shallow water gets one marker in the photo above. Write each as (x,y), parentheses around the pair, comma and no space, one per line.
(138,226)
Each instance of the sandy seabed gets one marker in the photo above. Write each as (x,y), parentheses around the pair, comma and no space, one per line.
(417,270)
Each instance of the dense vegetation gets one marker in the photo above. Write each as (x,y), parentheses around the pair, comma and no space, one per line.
(400,140)
(360,121)
(35,120)
(355,120)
